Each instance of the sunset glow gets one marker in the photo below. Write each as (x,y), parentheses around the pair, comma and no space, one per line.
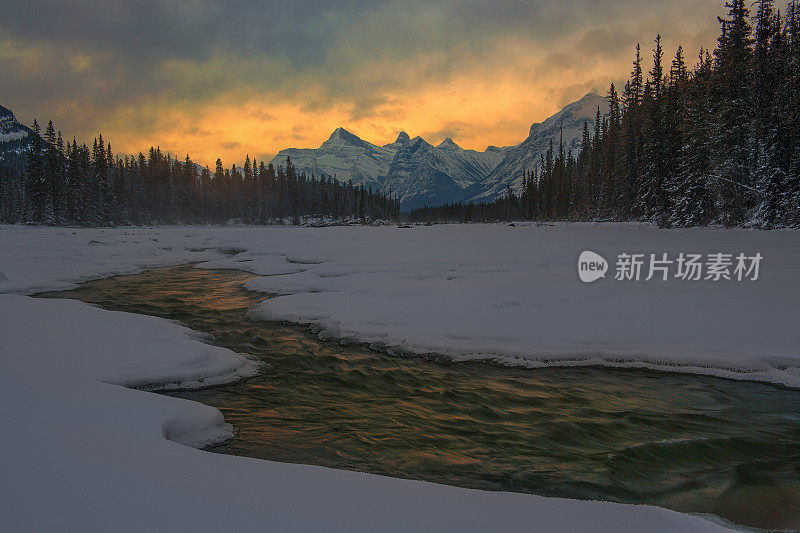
(250,78)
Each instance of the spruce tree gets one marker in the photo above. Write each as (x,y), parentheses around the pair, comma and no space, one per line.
(654,194)
(733,105)
(35,193)
(51,213)
(691,195)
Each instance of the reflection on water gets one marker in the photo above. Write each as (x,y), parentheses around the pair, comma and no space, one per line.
(689,443)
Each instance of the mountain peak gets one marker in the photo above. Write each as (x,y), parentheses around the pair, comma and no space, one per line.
(341,136)
(14,140)
(594,94)
(10,128)
(340,133)
(448,144)
(573,113)
(418,173)
(7,113)
(587,106)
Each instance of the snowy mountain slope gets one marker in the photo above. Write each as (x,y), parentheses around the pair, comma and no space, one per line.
(14,139)
(421,173)
(494,154)
(465,166)
(526,156)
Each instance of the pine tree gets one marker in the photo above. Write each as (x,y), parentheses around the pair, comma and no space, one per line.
(791,93)
(691,195)
(733,105)
(609,189)
(52,177)
(634,95)
(35,193)
(632,142)
(654,193)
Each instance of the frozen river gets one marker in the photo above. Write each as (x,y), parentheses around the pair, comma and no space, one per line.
(686,442)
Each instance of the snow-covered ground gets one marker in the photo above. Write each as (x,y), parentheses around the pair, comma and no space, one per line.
(510,294)
(80,451)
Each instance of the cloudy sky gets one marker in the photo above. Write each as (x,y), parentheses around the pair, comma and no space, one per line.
(229,78)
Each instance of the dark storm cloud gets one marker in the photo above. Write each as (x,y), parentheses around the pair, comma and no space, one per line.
(148,30)
(304,34)
(80,61)
(129,42)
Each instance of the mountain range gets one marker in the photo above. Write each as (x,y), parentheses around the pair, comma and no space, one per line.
(413,170)
(419,173)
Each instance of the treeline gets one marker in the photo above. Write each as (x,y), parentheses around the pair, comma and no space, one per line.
(718,143)
(506,208)
(71,184)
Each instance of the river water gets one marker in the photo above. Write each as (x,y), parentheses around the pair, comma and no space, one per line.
(690,443)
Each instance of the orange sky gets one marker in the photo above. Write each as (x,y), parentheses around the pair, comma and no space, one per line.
(479,75)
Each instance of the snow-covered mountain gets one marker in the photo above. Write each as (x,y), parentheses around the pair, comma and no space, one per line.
(344,156)
(526,155)
(412,169)
(14,139)
(420,174)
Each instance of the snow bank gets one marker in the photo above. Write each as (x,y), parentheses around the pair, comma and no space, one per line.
(79,452)
(506,294)
(512,295)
